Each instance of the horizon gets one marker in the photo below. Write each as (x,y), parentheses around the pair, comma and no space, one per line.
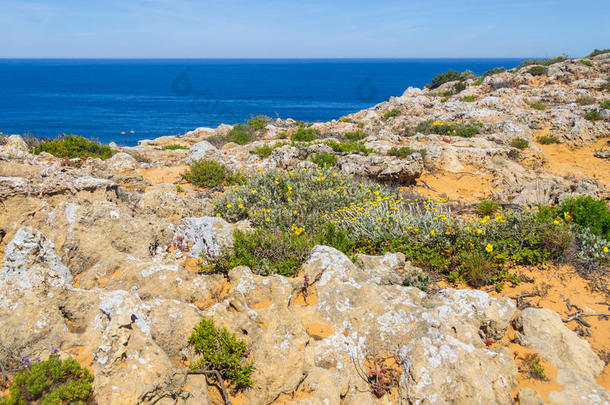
(236,29)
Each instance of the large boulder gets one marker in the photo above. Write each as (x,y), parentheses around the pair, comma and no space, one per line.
(204,151)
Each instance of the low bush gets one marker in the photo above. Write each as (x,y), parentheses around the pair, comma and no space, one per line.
(239,134)
(585,100)
(536,105)
(208,173)
(449,128)
(542,62)
(174,146)
(49,382)
(221,351)
(390,114)
(349,147)
(519,143)
(598,52)
(586,62)
(276,199)
(257,123)
(354,136)
(73,146)
(443,78)
(469,99)
(547,139)
(325,160)
(605,104)
(494,71)
(265,251)
(345,119)
(265,150)
(305,135)
(405,151)
(414,277)
(587,212)
(303,124)
(538,70)
(594,115)
(486,208)
(459,87)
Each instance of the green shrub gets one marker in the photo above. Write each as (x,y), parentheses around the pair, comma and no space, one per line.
(266,252)
(73,146)
(415,277)
(349,147)
(345,119)
(360,125)
(449,128)
(605,104)
(536,105)
(584,100)
(594,115)
(208,173)
(538,70)
(588,212)
(303,124)
(325,160)
(459,87)
(390,114)
(174,146)
(221,351)
(519,143)
(405,151)
(50,382)
(443,78)
(476,268)
(469,99)
(239,134)
(586,62)
(598,52)
(487,207)
(265,150)
(593,250)
(354,136)
(478,82)
(542,62)
(305,135)
(494,71)
(276,199)
(547,139)
(257,123)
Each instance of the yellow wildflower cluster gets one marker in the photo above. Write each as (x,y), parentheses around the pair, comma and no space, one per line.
(297,230)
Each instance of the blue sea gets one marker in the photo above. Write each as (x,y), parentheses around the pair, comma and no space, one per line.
(128,100)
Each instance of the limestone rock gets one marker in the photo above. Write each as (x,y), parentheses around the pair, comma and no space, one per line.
(542,330)
(203,151)
(29,257)
(122,162)
(383,168)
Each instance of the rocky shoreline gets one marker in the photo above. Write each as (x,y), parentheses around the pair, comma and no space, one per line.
(94,267)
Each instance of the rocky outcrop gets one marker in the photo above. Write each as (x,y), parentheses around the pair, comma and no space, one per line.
(203,151)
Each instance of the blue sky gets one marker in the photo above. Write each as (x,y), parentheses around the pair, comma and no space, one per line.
(306,28)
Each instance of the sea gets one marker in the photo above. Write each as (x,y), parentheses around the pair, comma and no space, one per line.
(123,101)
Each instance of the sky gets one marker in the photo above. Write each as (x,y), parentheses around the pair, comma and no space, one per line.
(301,29)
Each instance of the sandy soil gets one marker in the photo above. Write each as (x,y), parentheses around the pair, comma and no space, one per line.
(580,162)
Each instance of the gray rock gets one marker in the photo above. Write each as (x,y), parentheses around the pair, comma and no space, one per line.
(29,258)
(204,151)
(542,330)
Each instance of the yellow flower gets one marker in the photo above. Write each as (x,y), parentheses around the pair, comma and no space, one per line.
(432,232)
(567,216)
(605,249)
(254,191)
(240,206)
(489,248)
(267,219)
(479,231)
(294,212)
(289,188)
(218,214)
(334,174)
(556,222)
(229,205)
